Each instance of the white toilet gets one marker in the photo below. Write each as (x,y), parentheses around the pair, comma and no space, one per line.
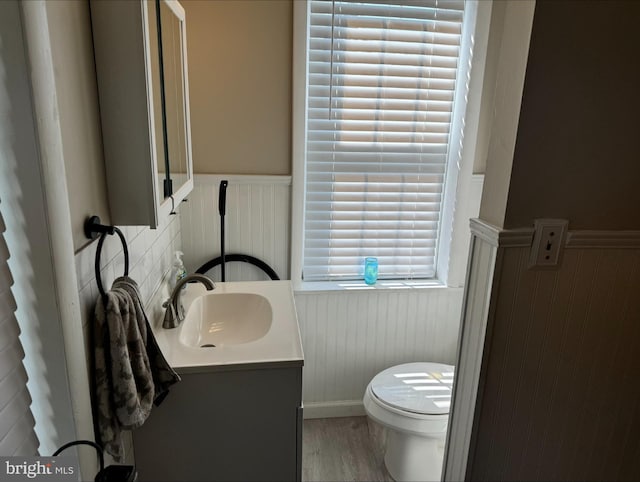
(411,402)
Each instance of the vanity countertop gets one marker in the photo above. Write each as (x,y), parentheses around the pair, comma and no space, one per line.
(280,346)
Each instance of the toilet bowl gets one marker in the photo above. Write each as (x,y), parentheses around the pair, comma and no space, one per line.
(411,401)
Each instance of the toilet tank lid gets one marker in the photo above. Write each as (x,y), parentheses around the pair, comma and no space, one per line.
(423,388)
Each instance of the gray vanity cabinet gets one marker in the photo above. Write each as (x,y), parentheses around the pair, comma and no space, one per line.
(229,425)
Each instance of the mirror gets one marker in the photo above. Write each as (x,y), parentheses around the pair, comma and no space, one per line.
(174,87)
(167,37)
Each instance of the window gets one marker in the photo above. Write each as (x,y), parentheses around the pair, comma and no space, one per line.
(380,123)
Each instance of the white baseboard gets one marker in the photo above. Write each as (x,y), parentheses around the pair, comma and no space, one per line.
(342,408)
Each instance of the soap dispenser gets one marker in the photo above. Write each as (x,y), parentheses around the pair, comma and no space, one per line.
(178,271)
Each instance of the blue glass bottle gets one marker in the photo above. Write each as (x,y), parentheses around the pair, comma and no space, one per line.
(370,270)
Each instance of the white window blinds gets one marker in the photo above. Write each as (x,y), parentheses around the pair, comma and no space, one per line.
(16,421)
(381,81)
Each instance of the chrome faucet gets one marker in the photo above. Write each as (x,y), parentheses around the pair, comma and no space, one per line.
(175,311)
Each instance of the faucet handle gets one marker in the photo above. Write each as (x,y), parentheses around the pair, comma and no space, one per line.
(170,316)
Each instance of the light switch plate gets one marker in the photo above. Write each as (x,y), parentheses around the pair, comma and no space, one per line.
(548,242)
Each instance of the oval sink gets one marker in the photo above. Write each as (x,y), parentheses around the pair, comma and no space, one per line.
(220,319)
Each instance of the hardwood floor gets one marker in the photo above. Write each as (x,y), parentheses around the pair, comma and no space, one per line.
(340,449)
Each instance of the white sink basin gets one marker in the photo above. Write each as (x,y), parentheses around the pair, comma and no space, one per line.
(220,319)
(251,323)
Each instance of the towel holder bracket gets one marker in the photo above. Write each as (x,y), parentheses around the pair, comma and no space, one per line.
(93,229)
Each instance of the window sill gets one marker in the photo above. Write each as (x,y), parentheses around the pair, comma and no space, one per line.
(305,287)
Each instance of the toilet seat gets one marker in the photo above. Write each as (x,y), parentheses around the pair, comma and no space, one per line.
(392,402)
(420,388)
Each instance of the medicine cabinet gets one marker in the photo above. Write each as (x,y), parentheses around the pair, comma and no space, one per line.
(141,66)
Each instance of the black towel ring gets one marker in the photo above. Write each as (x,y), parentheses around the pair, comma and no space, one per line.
(93,229)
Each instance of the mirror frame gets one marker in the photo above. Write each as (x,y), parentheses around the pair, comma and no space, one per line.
(169,204)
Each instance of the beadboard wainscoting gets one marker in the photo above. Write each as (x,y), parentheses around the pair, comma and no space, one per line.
(347,336)
(150,261)
(555,400)
(257,223)
(350,336)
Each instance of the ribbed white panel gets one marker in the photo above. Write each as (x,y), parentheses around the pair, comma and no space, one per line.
(256,223)
(482,259)
(17,436)
(348,337)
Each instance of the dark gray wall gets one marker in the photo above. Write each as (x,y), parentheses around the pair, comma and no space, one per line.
(577,153)
(561,397)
